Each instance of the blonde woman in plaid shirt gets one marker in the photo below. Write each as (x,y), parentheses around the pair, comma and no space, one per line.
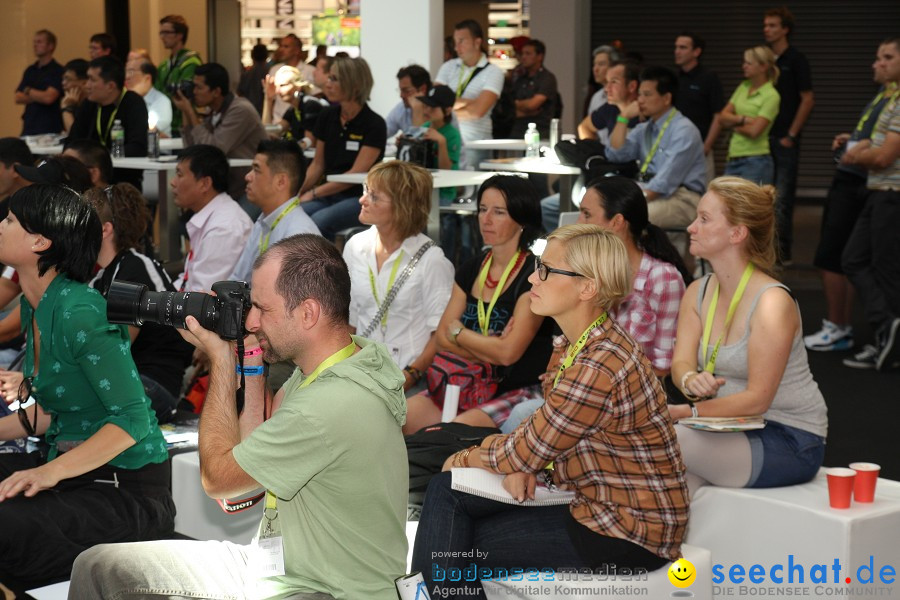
(604,427)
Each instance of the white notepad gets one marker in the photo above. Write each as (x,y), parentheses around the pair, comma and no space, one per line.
(485,484)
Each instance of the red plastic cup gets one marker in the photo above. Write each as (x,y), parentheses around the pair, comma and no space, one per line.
(866,477)
(840,486)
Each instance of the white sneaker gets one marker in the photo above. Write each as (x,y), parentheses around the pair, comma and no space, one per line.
(830,337)
(867,359)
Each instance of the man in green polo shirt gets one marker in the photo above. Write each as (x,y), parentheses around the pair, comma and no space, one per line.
(173,33)
(331,455)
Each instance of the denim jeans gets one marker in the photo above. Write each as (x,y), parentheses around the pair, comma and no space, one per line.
(502,536)
(171,569)
(334,213)
(550,212)
(758,169)
(786,163)
(784,455)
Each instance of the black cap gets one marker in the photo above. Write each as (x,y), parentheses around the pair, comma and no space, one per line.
(439,95)
(47,171)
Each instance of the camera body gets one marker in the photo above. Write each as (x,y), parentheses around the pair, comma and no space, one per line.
(225,313)
(186,87)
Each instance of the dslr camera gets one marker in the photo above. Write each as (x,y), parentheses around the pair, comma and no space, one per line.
(186,88)
(225,313)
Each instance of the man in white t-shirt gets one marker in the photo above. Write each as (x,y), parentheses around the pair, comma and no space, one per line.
(477,84)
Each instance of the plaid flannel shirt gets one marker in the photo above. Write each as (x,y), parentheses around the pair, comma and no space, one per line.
(650,312)
(607,432)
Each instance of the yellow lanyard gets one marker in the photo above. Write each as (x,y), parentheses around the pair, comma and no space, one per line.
(460,84)
(576,348)
(109,123)
(732,307)
(264,241)
(655,147)
(389,286)
(485,318)
(869,109)
(345,352)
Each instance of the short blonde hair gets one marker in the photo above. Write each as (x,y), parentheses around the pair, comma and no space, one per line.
(354,76)
(409,187)
(752,206)
(599,255)
(288,74)
(763,55)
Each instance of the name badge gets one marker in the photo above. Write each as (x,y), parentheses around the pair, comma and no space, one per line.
(352,146)
(268,557)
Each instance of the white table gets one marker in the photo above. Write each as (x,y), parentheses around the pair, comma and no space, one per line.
(546,166)
(166,145)
(443,178)
(509,146)
(169,237)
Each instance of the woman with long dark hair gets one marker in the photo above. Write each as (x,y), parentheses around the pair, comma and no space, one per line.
(107,464)
(659,275)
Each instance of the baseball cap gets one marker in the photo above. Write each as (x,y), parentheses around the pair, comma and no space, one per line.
(439,95)
(47,171)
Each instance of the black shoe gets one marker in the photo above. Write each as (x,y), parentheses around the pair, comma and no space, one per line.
(888,348)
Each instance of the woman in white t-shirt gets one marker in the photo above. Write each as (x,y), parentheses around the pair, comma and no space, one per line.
(396,203)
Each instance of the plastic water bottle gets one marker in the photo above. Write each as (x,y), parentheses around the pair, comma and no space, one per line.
(532,141)
(117,139)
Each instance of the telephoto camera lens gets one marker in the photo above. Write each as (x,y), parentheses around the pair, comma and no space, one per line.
(134,304)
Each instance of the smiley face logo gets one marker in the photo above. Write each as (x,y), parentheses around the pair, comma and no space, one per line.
(682,573)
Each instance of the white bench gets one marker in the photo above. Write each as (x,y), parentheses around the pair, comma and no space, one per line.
(199,516)
(764,527)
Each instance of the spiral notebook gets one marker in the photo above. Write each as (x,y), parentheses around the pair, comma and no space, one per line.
(485,484)
(724,423)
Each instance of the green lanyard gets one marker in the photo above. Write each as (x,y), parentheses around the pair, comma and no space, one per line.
(389,286)
(345,352)
(707,328)
(655,147)
(485,318)
(264,242)
(575,349)
(112,118)
(460,84)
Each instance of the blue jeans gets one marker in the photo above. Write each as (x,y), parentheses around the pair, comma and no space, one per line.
(334,213)
(519,413)
(784,455)
(786,163)
(504,536)
(758,169)
(550,212)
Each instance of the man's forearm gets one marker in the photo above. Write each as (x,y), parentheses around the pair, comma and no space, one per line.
(618,136)
(807,102)
(219,429)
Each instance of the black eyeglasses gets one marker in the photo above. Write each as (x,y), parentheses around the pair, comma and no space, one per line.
(22,395)
(543,271)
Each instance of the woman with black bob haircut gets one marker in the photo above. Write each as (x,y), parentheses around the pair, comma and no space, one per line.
(476,339)
(107,460)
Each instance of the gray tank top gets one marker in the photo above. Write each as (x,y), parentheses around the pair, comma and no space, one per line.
(798,401)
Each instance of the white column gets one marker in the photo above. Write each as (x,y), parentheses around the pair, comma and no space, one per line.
(564,27)
(397,33)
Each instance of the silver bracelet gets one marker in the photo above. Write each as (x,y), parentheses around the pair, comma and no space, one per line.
(684,389)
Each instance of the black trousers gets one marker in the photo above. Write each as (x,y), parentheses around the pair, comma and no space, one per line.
(871,258)
(40,537)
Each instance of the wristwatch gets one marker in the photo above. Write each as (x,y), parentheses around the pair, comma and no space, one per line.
(455,332)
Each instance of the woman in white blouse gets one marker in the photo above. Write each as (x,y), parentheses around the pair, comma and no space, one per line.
(396,202)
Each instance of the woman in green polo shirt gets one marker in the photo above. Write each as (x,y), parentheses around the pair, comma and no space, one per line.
(751,112)
(106,475)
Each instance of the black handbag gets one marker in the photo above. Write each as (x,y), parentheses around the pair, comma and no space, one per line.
(590,157)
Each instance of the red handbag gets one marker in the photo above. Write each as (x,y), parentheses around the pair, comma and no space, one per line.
(478,381)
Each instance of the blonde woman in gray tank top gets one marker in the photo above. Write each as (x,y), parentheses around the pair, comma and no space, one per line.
(739,351)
